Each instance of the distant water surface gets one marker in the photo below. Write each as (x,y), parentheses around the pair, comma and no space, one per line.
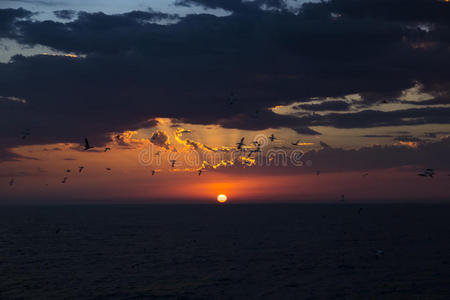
(293,251)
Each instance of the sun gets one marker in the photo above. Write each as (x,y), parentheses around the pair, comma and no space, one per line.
(222,198)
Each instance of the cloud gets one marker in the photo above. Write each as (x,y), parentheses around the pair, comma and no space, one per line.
(425,154)
(134,69)
(377,136)
(325,106)
(13,99)
(161,139)
(65,14)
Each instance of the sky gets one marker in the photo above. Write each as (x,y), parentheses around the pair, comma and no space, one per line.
(335,100)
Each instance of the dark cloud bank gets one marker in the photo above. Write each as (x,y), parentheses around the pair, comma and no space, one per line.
(134,70)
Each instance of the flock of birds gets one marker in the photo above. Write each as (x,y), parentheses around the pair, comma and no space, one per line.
(429,172)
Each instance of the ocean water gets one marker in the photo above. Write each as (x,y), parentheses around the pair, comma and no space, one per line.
(292,251)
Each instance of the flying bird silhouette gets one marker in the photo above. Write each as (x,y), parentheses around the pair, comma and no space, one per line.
(272,138)
(153,172)
(86,144)
(26,133)
(296,143)
(68,171)
(318,172)
(199,172)
(108,169)
(231,99)
(427,173)
(80,169)
(240,144)
(64,180)
(173,162)
(379,253)
(258,149)
(107,149)
(11,182)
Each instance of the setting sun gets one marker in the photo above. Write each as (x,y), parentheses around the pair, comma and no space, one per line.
(222,198)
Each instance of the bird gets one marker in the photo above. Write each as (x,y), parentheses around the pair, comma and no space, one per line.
(199,172)
(108,169)
(57,230)
(240,144)
(11,182)
(68,171)
(258,149)
(157,153)
(342,198)
(26,133)
(231,99)
(365,174)
(107,149)
(359,210)
(80,169)
(64,180)
(272,138)
(296,143)
(153,172)
(379,253)
(318,172)
(427,173)
(173,162)
(86,144)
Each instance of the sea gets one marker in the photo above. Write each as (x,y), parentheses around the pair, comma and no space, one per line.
(236,251)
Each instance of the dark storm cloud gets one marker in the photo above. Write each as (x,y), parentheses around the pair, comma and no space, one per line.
(8,17)
(8,155)
(236,6)
(435,101)
(376,157)
(407,138)
(373,118)
(427,154)
(65,14)
(376,136)
(136,70)
(436,134)
(324,106)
